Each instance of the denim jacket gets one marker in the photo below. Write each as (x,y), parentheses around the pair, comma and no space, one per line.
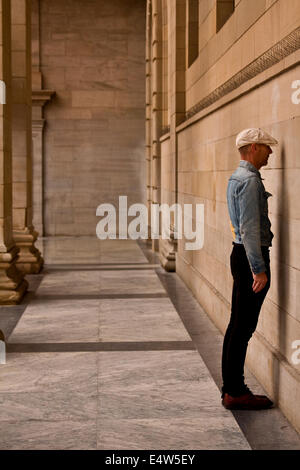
(248,210)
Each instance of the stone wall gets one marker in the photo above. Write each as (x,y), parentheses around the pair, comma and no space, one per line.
(243,78)
(93,56)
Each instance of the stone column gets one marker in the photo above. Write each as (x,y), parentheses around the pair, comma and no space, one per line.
(149,111)
(40,98)
(176,65)
(12,283)
(156,101)
(165,69)
(30,260)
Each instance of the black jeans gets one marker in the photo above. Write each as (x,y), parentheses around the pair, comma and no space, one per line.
(245,308)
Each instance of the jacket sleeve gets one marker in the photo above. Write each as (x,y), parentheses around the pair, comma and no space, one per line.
(249,203)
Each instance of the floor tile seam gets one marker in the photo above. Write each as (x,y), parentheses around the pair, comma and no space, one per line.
(92,347)
(89,266)
(45,420)
(99,296)
(51,391)
(204,418)
(101,270)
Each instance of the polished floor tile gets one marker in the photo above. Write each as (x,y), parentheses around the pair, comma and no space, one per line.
(61,321)
(70,283)
(51,372)
(171,433)
(49,401)
(140,320)
(148,393)
(130,282)
(49,435)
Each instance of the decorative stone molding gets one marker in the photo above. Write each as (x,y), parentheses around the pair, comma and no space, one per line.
(31,261)
(275,54)
(42,97)
(13,286)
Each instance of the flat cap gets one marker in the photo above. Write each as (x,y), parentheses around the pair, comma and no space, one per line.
(254,135)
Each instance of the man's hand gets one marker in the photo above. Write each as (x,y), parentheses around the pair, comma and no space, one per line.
(260,280)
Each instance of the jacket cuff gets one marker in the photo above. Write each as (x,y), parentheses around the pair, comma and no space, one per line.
(258,268)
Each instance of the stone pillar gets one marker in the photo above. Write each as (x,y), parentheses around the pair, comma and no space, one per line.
(30,260)
(149,111)
(40,98)
(165,68)
(176,64)
(156,101)
(37,173)
(12,282)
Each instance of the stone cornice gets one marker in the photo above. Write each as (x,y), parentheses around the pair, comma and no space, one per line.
(275,54)
(42,97)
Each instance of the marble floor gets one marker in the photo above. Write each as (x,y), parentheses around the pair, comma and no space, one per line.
(100,356)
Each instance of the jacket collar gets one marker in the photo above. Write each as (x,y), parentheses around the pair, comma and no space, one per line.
(250,167)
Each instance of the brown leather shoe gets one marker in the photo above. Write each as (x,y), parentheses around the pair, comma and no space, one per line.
(247,401)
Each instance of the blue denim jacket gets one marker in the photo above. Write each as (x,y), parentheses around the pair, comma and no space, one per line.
(248,210)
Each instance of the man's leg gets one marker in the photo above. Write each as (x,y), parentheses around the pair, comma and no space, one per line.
(245,311)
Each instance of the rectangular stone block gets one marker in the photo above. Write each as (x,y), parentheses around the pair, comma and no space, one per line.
(18,37)
(89,99)
(19,64)
(18,11)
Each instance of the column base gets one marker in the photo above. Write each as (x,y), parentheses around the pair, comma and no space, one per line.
(167,254)
(30,260)
(13,286)
(155,244)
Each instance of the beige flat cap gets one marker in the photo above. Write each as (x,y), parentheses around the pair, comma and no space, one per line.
(254,136)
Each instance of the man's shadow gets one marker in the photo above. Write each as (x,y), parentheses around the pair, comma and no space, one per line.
(283,256)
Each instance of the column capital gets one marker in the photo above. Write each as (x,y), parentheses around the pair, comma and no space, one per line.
(42,97)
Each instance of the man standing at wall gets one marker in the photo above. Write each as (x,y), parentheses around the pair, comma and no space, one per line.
(250,264)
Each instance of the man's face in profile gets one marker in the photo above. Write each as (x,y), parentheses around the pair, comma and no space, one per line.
(262,153)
